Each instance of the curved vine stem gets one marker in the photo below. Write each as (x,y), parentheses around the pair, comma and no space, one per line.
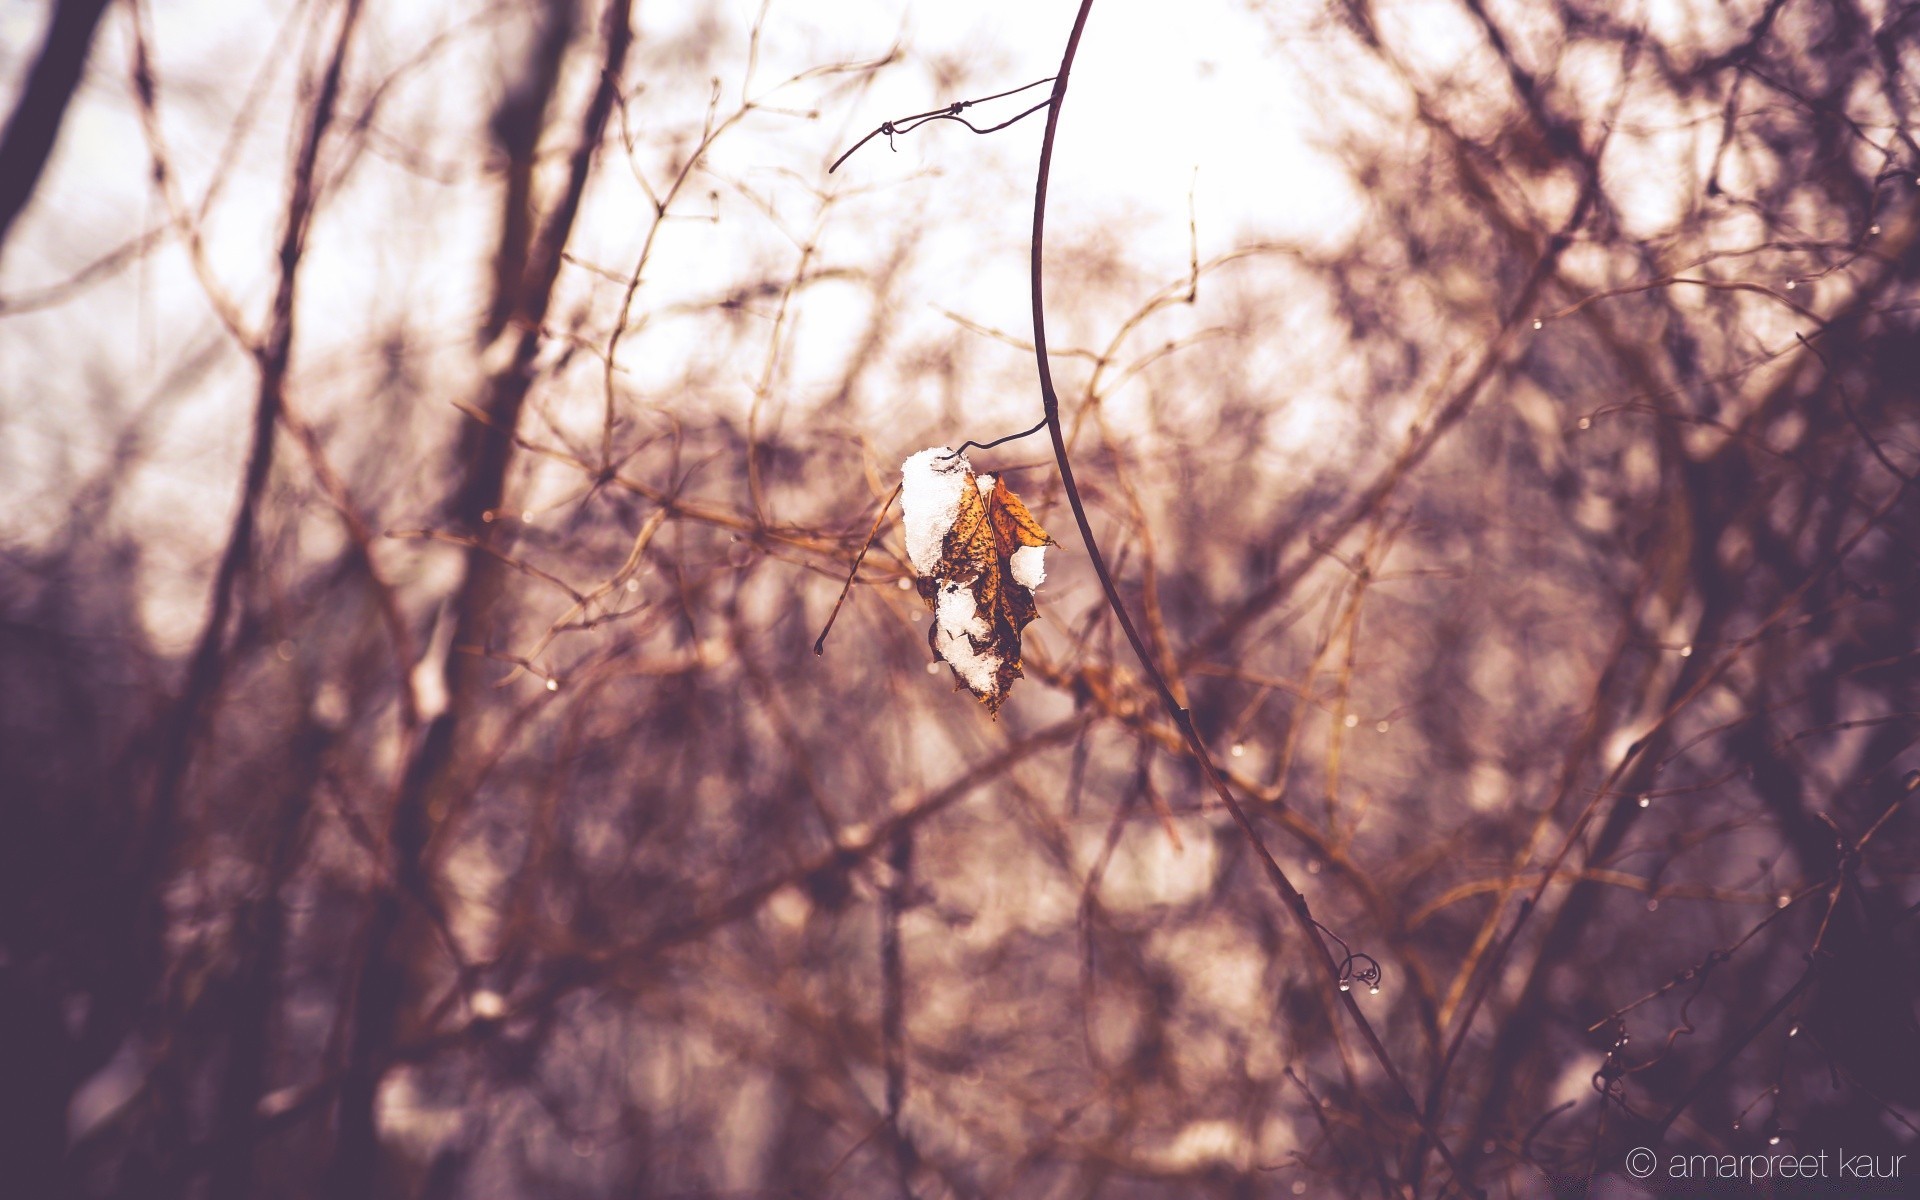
(1289,895)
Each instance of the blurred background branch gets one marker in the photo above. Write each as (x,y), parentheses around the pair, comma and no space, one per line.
(434,436)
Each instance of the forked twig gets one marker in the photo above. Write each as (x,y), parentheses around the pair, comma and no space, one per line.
(950,112)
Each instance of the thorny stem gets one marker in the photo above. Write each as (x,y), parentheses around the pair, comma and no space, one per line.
(1290,895)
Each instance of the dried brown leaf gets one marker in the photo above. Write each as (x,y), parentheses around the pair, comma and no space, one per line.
(979,606)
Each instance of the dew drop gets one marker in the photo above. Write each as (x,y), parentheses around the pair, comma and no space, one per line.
(1586,422)
(1791,284)
(488,516)
(1736,1124)
(1873,230)
(1374,990)
(1653,906)
(1352,720)
(1686,651)
(1382,727)
(1782,900)
(1313,867)
(933,668)
(1774,1140)
(1299,1187)
(906,585)
(633,585)
(1646,802)
(553,685)
(1239,750)
(1912,781)
(1539,324)
(527,517)
(1794,1032)
(1345,988)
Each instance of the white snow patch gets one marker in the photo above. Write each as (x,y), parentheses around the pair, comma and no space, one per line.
(986,484)
(958,621)
(1029,566)
(107,1091)
(1204,1143)
(931,484)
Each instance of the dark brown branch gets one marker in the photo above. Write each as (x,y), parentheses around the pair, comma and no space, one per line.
(1295,903)
(35,123)
(187,720)
(529,261)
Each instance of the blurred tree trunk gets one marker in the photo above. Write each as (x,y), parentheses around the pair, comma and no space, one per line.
(35,124)
(527,263)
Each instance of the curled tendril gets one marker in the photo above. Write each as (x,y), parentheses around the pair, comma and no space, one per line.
(1355,967)
(1360,968)
(1609,1079)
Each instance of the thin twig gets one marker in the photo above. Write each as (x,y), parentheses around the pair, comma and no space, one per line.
(950,112)
(820,643)
(999,441)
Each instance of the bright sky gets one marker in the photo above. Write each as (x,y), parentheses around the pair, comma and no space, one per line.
(1205,102)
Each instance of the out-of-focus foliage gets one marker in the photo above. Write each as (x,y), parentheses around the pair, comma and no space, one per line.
(432,450)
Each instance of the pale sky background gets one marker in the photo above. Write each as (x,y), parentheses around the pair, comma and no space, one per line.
(1212,101)
(1162,103)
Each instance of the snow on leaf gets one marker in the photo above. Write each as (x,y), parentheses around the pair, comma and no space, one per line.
(979,554)
(931,483)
